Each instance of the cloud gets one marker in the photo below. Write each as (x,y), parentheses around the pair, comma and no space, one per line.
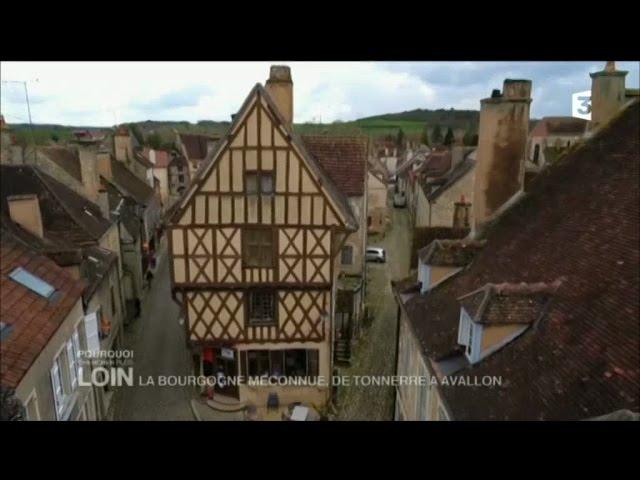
(183,98)
(104,93)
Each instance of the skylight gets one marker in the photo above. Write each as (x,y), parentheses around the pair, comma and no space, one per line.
(32,282)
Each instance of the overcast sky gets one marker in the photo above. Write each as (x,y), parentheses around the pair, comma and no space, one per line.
(106,93)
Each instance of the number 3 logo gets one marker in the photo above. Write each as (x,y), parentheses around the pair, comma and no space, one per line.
(581,105)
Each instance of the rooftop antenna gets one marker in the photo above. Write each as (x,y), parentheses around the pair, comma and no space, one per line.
(26,96)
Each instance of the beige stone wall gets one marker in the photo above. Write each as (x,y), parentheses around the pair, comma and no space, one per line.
(607,96)
(442,209)
(357,239)
(493,335)
(38,377)
(421,208)
(162,174)
(377,192)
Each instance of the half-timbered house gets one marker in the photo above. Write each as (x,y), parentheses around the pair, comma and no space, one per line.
(255,248)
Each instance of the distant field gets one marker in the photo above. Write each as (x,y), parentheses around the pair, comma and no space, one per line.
(411,123)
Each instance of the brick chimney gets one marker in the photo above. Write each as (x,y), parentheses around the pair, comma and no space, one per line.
(25,211)
(280,88)
(607,94)
(502,139)
(89,170)
(104,164)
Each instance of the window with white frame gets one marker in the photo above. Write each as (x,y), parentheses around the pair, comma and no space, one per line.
(31,407)
(72,362)
(57,384)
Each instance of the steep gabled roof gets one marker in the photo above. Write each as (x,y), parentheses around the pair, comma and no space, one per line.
(335,196)
(450,179)
(343,159)
(578,223)
(65,214)
(195,145)
(32,319)
(129,184)
(65,158)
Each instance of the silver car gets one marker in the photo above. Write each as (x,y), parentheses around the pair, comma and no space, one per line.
(376,254)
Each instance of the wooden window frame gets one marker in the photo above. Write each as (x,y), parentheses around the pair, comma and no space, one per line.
(245,246)
(259,174)
(247,309)
(352,255)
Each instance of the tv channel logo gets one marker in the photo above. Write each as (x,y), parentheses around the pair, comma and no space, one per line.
(581,105)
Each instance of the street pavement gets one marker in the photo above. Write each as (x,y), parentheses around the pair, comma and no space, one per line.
(158,343)
(375,351)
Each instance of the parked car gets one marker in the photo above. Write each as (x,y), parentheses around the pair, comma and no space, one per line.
(376,254)
(399,200)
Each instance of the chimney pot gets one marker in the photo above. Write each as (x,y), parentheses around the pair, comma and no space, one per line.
(280,73)
(610,66)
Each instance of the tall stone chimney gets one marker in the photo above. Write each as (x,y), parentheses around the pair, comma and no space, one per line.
(502,139)
(280,88)
(122,146)
(89,171)
(104,164)
(607,94)
(25,211)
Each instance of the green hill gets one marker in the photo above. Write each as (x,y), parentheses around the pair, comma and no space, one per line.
(411,122)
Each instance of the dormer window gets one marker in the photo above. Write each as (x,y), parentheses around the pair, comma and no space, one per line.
(424,276)
(469,335)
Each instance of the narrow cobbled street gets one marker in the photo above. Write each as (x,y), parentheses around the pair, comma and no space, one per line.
(159,349)
(375,351)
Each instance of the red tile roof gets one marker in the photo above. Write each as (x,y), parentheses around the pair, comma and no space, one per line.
(559,126)
(32,318)
(343,158)
(580,222)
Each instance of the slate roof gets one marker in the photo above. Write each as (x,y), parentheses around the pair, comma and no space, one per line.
(65,214)
(195,145)
(343,158)
(435,164)
(33,319)
(448,180)
(129,184)
(65,158)
(579,224)
(508,304)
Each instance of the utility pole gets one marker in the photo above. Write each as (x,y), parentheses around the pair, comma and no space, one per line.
(26,95)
